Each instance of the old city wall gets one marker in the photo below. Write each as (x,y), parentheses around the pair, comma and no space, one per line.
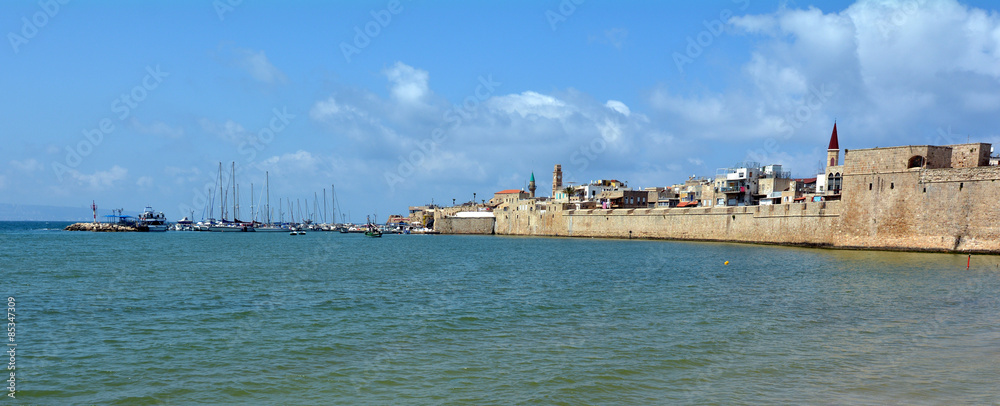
(889,206)
(464,225)
(794,224)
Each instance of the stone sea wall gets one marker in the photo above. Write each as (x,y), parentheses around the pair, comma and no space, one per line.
(811,223)
(464,225)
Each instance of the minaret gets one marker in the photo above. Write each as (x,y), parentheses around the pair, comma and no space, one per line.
(531,186)
(556,180)
(833,151)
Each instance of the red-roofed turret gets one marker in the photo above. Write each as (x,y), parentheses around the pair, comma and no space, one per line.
(833,139)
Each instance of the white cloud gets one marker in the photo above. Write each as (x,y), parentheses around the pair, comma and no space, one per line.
(27,165)
(532,105)
(100,180)
(158,128)
(891,72)
(258,66)
(229,131)
(300,162)
(619,107)
(409,85)
(183,175)
(144,182)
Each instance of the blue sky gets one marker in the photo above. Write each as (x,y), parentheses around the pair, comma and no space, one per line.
(440,100)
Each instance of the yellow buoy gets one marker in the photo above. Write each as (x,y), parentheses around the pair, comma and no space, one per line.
(727,263)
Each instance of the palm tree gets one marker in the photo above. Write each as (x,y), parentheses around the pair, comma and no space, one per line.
(569,192)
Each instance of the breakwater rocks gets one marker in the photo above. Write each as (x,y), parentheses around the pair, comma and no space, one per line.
(100,227)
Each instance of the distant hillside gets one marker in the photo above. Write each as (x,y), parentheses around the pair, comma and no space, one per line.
(28,212)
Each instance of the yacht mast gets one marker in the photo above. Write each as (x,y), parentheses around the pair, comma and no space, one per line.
(235,207)
(267,185)
(222,202)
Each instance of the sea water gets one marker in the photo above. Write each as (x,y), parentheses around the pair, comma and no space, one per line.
(329,318)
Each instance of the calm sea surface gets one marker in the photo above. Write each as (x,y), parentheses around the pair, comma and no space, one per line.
(205,318)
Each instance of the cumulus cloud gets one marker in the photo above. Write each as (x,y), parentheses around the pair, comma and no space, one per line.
(27,165)
(144,182)
(891,72)
(258,66)
(619,107)
(532,105)
(297,162)
(408,85)
(100,180)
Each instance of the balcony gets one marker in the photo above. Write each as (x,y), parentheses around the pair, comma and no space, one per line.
(732,189)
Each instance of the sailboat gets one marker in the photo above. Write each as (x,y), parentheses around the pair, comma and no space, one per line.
(268,226)
(224,225)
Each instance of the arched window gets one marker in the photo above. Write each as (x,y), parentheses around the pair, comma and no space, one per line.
(916,161)
(833,161)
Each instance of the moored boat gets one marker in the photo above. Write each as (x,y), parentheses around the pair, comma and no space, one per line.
(152,221)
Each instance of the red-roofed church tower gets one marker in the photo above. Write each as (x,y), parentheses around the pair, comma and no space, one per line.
(833,151)
(833,180)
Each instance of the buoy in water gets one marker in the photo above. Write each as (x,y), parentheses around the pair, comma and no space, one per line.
(726,263)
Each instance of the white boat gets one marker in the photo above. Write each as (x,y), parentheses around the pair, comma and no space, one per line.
(266,228)
(152,221)
(231,227)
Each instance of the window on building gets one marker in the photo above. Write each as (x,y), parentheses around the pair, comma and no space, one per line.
(916,161)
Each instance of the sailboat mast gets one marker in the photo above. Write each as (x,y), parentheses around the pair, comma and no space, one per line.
(235,208)
(267,185)
(253,214)
(222,202)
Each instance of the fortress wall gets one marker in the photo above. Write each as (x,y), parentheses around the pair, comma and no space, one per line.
(799,224)
(952,209)
(464,225)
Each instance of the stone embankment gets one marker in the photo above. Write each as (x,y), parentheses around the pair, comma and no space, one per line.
(100,227)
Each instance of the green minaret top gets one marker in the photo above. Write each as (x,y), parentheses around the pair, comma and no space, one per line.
(532,176)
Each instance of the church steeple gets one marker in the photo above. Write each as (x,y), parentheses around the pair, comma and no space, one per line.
(833,151)
(834,144)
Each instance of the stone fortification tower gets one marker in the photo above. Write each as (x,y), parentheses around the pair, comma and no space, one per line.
(556,180)
(531,186)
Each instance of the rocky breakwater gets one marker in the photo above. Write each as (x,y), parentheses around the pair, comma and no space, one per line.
(100,227)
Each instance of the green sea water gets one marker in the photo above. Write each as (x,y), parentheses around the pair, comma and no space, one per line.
(329,318)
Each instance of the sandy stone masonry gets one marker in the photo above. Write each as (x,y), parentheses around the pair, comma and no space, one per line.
(917,197)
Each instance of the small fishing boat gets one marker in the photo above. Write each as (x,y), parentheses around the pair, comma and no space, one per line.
(373,230)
